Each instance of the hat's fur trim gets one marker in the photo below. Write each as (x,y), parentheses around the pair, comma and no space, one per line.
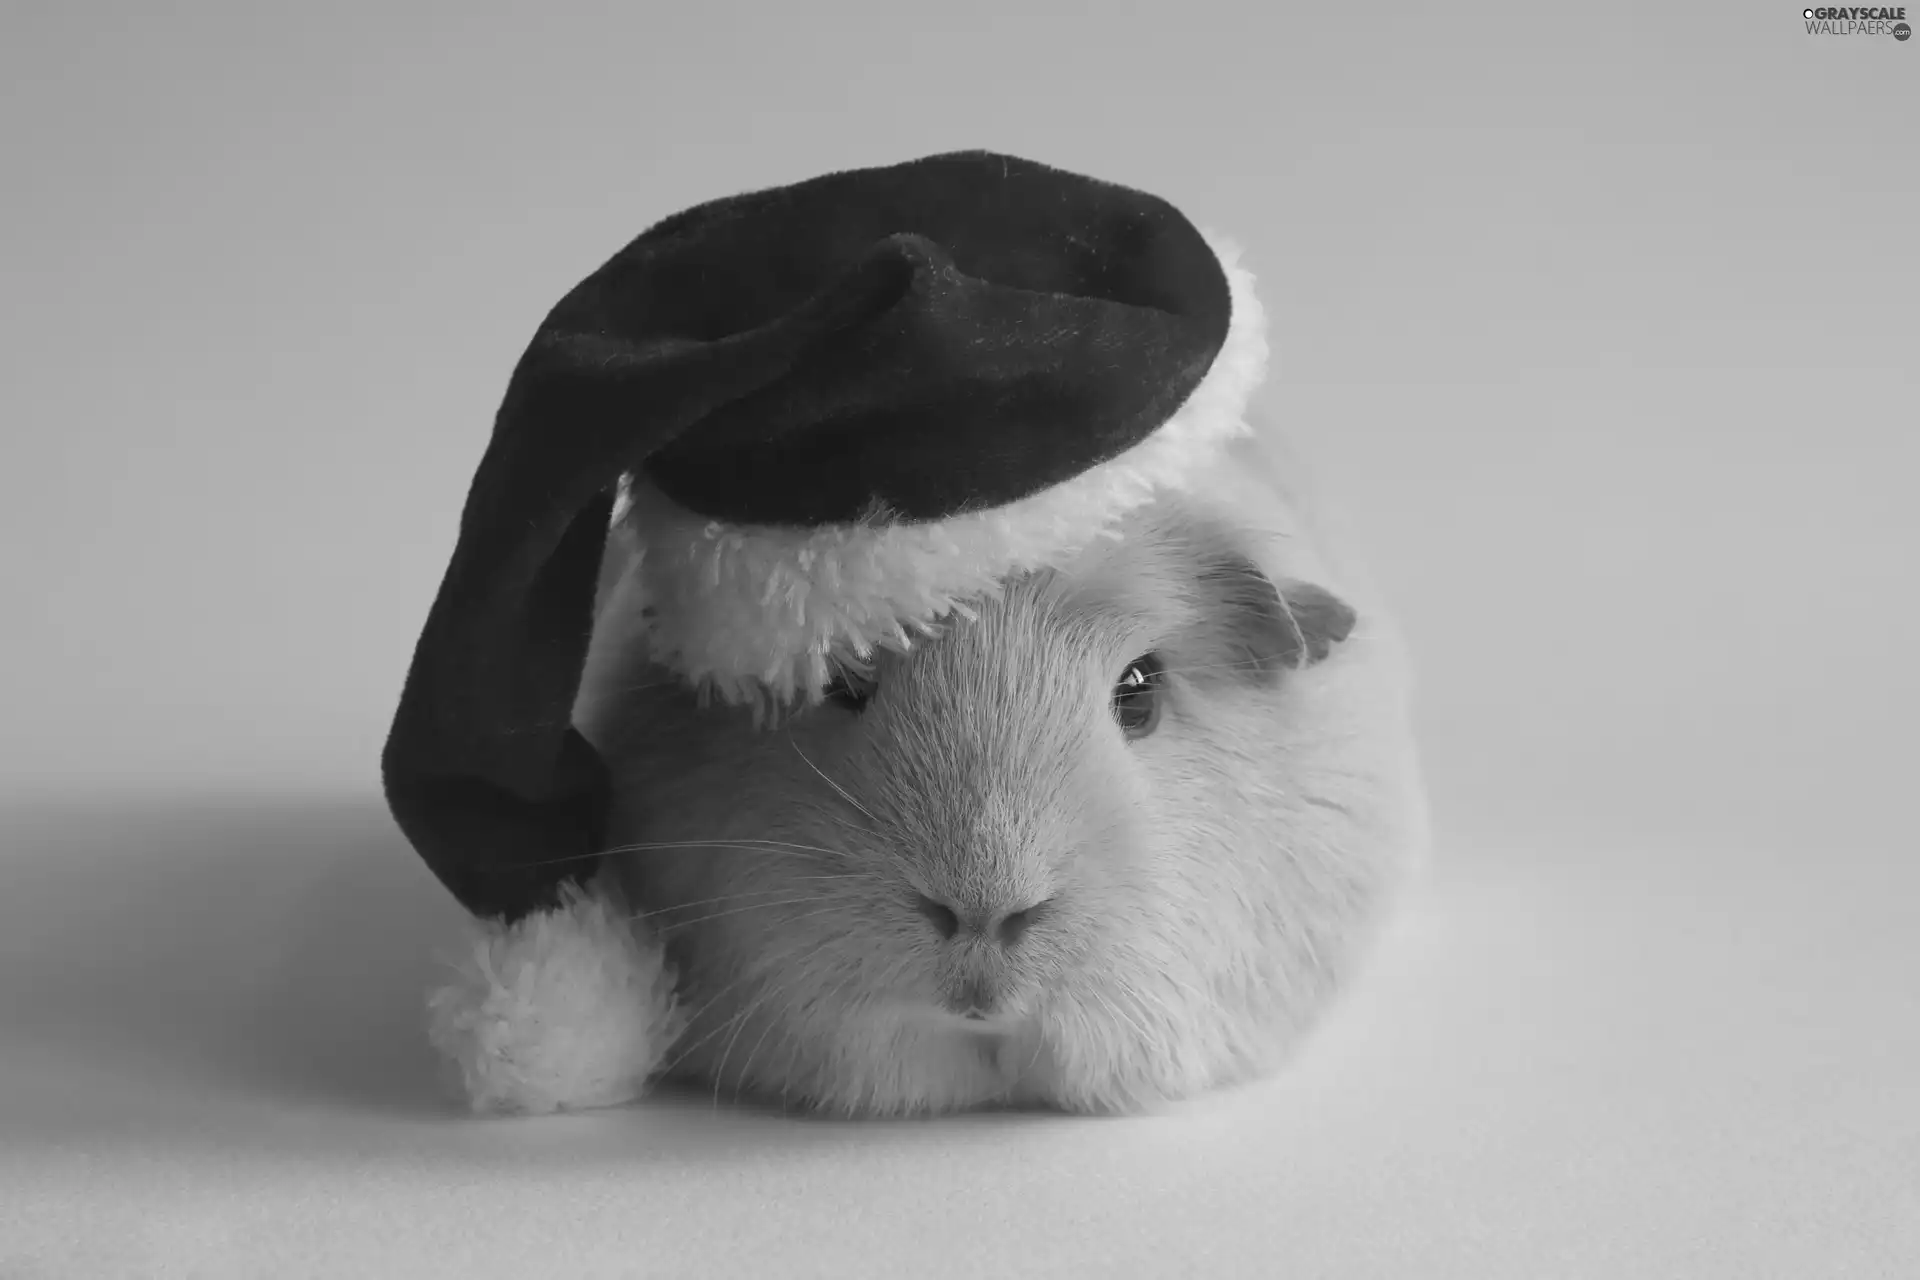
(750,612)
(569,1008)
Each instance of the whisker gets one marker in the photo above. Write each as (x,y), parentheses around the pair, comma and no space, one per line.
(758,972)
(765,998)
(708,1004)
(844,794)
(739,1025)
(726,842)
(740,846)
(746,907)
(799,1042)
(688,1050)
(746,1068)
(744,893)
(844,823)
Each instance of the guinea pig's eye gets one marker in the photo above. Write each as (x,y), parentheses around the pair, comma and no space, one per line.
(1136,699)
(850,690)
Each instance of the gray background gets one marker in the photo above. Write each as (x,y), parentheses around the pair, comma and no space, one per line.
(1601,321)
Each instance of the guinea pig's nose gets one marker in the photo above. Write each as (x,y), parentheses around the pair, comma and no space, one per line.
(1011,926)
(1005,927)
(943,916)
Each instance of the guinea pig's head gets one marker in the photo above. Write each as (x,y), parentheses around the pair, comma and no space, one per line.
(1105,840)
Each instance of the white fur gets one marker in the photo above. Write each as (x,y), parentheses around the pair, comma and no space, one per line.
(565,1009)
(747,612)
(1211,887)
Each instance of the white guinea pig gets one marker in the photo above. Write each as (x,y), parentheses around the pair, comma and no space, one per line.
(1116,838)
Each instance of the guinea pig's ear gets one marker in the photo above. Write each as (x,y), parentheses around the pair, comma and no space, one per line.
(1265,627)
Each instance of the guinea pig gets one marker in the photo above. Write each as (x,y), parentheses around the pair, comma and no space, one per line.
(1115,835)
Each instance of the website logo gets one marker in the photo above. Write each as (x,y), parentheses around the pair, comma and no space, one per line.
(1858,22)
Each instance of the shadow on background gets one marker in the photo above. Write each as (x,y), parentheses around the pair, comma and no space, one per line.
(278,948)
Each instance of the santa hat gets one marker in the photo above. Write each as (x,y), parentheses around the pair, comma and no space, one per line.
(828,414)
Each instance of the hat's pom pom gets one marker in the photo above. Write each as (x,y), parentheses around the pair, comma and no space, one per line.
(566,1009)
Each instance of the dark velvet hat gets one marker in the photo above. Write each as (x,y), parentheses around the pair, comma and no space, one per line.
(828,412)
